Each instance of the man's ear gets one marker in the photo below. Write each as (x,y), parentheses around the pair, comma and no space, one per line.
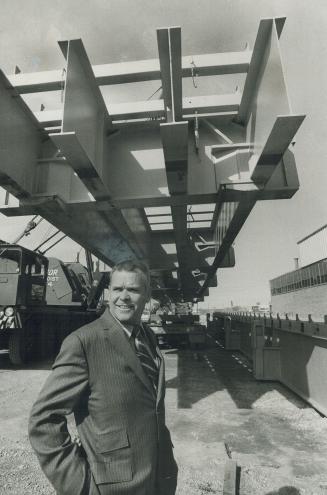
(149,294)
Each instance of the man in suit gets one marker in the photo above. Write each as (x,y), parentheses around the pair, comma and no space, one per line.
(110,374)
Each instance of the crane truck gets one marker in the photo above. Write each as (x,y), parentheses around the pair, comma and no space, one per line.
(42,300)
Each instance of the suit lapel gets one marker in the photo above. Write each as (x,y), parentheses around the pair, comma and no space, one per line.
(115,333)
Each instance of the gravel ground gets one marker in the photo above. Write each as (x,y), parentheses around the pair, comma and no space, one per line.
(19,470)
(213,404)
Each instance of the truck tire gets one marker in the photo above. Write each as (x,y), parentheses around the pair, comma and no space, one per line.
(20,347)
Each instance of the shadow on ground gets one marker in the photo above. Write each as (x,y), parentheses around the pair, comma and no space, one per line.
(6,365)
(202,373)
(285,490)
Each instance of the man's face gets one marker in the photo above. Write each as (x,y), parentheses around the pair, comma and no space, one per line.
(128,294)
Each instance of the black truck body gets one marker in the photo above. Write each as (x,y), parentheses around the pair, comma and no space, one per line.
(42,300)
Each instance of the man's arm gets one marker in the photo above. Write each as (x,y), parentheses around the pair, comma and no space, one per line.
(59,457)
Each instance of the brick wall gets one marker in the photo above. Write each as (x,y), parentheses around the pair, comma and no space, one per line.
(312,300)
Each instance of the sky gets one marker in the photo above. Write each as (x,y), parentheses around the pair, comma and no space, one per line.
(123,30)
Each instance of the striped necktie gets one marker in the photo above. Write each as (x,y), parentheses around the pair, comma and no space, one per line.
(146,356)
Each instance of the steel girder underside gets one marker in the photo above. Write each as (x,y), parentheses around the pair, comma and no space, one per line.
(169,180)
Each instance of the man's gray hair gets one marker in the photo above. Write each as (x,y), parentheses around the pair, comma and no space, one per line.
(133,266)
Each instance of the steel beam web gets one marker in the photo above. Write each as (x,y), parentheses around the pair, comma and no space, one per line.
(242,212)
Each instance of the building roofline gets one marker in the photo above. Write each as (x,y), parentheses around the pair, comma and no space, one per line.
(312,234)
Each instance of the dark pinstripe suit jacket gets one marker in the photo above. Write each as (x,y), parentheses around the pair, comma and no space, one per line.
(126,447)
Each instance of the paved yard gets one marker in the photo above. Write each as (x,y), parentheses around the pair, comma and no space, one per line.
(213,406)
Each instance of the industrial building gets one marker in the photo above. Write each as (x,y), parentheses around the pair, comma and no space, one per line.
(303,291)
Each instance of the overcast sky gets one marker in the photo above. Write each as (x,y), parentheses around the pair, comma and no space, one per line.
(122,30)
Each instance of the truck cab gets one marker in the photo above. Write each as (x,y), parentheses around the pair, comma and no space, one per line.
(42,300)
(23,276)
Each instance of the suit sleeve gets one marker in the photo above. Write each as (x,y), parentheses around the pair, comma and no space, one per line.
(59,457)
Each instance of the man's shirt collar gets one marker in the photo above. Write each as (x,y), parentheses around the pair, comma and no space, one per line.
(128,329)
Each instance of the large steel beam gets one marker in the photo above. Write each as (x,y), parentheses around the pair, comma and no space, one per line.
(174,138)
(211,104)
(279,139)
(265,107)
(284,179)
(79,160)
(154,109)
(165,69)
(109,233)
(283,184)
(242,212)
(189,284)
(256,66)
(176,72)
(115,226)
(21,140)
(265,79)
(27,208)
(221,150)
(151,247)
(212,64)
(85,122)
(86,125)
(103,238)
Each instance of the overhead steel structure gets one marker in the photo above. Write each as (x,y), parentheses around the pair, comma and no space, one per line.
(170,180)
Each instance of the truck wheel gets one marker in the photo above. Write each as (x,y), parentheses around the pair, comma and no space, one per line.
(20,347)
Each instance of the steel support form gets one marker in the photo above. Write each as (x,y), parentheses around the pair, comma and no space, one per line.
(93,148)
